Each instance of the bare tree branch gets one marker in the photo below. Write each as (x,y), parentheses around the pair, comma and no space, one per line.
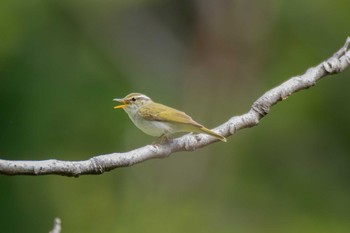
(102,163)
(56,226)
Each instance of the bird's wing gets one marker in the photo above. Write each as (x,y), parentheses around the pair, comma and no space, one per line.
(160,112)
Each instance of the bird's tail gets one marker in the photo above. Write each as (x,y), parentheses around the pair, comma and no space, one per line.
(208,131)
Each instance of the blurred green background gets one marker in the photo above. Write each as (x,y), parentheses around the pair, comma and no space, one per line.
(62,63)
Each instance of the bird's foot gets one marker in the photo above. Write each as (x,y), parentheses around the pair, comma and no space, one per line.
(163,139)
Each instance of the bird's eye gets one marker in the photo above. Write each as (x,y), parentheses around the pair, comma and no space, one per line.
(133,99)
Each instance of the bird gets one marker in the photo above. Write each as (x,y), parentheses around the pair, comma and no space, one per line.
(159,120)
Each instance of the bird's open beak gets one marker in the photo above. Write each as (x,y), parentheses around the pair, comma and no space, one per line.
(123,105)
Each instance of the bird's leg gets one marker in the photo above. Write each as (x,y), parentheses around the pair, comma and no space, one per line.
(163,139)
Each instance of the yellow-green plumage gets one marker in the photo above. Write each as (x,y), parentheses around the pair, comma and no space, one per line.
(157,119)
(160,112)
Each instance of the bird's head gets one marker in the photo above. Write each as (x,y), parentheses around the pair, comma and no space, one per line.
(132,102)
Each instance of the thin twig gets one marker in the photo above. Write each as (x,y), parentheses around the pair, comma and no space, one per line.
(102,163)
(56,226)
